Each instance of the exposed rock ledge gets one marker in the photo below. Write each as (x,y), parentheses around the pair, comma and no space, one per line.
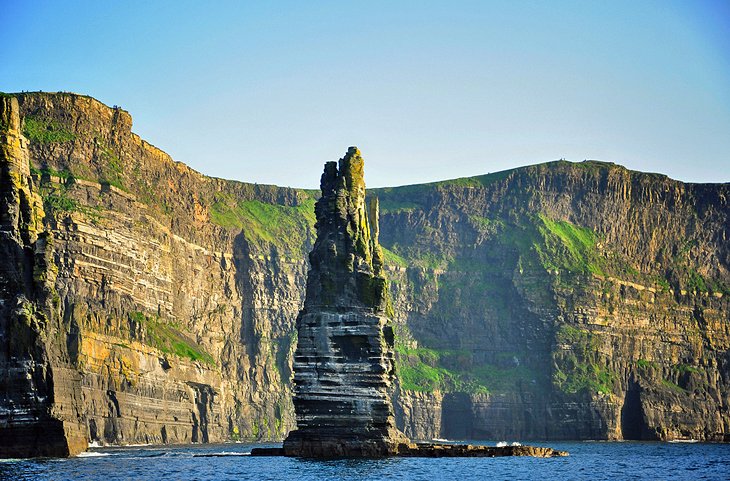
(429,450)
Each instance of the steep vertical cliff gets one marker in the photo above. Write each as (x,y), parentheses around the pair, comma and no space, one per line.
(563,301)
(159,302)
(34,366)
(145,302)
(344,361)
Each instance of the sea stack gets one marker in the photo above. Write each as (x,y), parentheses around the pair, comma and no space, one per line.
(344,370)
(344,367)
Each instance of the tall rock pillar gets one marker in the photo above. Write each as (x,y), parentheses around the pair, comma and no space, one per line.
(344,362)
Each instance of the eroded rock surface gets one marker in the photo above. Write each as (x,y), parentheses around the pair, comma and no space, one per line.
(143,302)
(344,362)
(135,309)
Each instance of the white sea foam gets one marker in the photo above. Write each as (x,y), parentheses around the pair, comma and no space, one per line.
(94,444)
(501,444)
(684,441)
(516,444)
(91,454)
(221,454)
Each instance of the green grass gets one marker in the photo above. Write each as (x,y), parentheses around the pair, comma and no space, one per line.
(503,379)
(696,283)
(429,260)
(644,364)
(662,283)
(577,338)
(691,280)
(422,377)
(550,245)
(265,225)
(169,338)
(554,245)
(685,368)
(460,182)
(579,367)
(64,174)
(111,167)
(674,387)
(478,181)
(46,131)
(393,206)
(568,246)
(418,370)
(393,259)
(484,224)
(58,201)
(427,370)
(584,376)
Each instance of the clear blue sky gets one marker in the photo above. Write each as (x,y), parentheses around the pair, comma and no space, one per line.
(267,91)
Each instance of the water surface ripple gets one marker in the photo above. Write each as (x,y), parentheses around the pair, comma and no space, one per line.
(221,462)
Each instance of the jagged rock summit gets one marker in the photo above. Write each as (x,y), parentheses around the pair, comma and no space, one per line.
(344,362)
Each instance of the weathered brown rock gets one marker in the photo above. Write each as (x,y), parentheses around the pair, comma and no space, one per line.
(344,370)
(128,265)
(132,240)
(344,365)
(33,368)
(621,335)
(434,450)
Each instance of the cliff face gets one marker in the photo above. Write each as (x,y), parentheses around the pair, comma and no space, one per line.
(145,302)
(33,362)
(575,301)
(163,300)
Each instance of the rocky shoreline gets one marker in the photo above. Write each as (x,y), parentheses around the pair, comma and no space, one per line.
(432,450)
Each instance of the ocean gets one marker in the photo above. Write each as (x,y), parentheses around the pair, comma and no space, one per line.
(220,462)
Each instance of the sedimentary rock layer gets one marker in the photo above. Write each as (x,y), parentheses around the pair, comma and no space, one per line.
(128,315)
(344,361)
(145,302)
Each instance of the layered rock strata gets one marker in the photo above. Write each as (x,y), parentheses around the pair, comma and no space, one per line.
(143,302)
(344,371)
(35,371)
(562,301)
(344,361)
(135,306)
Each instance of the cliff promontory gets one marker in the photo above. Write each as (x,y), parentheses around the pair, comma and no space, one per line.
(143,302)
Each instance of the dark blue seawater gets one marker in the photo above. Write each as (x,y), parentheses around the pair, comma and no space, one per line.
(587,461)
